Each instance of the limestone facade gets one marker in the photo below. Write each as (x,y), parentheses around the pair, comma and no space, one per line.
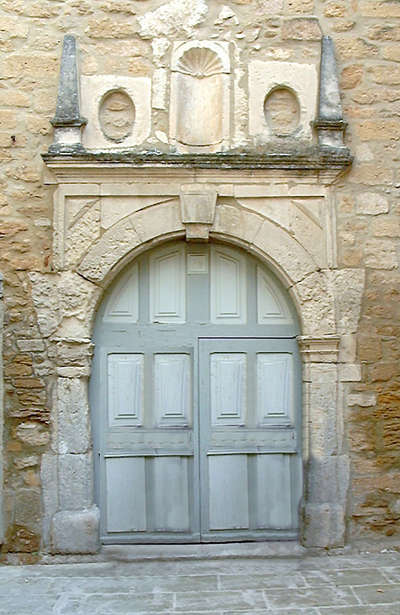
(133,169)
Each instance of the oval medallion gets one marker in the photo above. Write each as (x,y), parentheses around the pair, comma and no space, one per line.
(282,111)
(116,115)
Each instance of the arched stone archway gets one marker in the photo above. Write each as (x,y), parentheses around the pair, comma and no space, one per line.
(101,226)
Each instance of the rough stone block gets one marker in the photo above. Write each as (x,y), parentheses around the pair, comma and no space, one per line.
(177,17)
(301,29)
(28,507)
(381,253)
(386,227)
(49,478)
(328,479)
(348,291)
(317,305)
(379,8)
(350,373)
(371,203)
(76,531)
(365,399)
(73,416)
(324,526)
(32,434)
(323,410)
(75,486)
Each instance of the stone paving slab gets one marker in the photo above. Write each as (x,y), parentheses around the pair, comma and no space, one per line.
(327,585)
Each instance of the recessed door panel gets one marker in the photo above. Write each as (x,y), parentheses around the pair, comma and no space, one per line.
(172,389)
(274,388)
(228,382)
(125,389)
(170,494)
(228,484)
(125,483)
(273,492)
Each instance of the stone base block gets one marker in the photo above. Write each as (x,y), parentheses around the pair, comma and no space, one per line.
(76,531)
(323,526)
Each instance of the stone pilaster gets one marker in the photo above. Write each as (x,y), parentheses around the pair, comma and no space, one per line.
(326,466)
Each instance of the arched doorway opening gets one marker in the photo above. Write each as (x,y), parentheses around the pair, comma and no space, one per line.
(196,400)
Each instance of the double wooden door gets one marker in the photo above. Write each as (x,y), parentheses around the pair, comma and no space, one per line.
(196,412)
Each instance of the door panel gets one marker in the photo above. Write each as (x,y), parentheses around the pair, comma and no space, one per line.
(125,389)
(125,478)
(170,494)
(172,389)
(228,381)
(273,492)
(274,388)
(250,468)
(151,479)
(228,492)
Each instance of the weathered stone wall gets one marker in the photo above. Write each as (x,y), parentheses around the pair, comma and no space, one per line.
(133,38)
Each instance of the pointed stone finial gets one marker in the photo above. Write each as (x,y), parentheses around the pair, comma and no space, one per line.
(329,124)
(68,122)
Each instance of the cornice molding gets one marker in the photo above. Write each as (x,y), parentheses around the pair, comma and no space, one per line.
(325,165)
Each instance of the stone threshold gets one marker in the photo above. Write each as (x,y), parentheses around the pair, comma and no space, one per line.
(253,550)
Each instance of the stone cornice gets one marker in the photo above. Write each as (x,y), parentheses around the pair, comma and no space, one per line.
(323,164)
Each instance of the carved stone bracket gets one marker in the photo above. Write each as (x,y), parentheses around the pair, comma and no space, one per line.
(319,349)
(198,203)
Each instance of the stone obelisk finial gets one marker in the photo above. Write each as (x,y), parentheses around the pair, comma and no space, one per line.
(330,125)
(68,122)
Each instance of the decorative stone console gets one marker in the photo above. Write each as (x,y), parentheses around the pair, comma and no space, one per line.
(274,197)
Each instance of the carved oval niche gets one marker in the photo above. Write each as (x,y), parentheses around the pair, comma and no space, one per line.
(200,91)
(282,111)
(116,115)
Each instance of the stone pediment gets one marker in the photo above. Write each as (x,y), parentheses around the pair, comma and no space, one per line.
(293,116)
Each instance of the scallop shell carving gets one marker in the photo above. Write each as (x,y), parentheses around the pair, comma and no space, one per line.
(116,115)
(200,62)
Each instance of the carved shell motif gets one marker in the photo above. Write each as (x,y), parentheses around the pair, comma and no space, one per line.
(200,62)
(116,115)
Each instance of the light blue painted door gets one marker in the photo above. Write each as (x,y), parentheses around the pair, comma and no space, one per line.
(250,460)
(195,400)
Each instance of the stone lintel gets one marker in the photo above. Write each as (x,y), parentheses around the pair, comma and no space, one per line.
(319,349)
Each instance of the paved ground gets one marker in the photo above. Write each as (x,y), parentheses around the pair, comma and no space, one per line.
(328,585)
